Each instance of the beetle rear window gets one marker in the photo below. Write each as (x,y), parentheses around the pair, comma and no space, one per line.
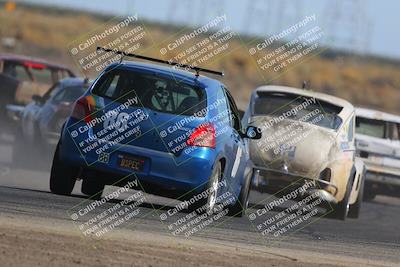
(299,108)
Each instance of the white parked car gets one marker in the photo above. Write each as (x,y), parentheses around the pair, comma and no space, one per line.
(377,143)
(306,136)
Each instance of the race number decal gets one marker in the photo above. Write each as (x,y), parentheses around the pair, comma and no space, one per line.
(116,121)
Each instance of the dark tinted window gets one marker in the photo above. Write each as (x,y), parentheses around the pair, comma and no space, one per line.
(54,89)
(395,131)
(370,127)
(155,92)
(41,75)
(234,111)
(17,71)
(299,108)
(29,71)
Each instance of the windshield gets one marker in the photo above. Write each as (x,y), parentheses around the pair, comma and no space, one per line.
(370,127)
(69,94)
(154,92)
(299,108)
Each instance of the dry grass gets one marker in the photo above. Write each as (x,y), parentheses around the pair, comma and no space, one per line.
(367,82)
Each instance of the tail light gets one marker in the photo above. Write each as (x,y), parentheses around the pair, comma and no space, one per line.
(203,136)
(82,109)
(34,65)
(325,175)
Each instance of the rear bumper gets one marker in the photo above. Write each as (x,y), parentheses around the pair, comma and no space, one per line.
(276,182)
(163,173)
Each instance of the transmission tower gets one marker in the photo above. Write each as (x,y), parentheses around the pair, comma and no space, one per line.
(258,17)
(207,10)
(347,25)
(287,13)
(180,12)
(268,17)
(131,7)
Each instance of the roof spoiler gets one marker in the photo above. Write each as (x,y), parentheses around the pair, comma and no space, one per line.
(171,63)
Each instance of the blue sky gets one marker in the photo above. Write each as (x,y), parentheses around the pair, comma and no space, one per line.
(375,24)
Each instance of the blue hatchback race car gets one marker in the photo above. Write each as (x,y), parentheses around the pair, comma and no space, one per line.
(177,132)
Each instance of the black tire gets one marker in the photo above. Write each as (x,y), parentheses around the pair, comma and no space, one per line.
(341,210)
(205,204)
(354,211)
(92,188)
(239,208)
(62,177)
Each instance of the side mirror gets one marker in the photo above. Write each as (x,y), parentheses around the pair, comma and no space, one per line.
(253,132)
(38,99)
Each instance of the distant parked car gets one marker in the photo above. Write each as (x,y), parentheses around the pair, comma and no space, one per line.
(43,118)
(21,77)
(378,144)
(307,136)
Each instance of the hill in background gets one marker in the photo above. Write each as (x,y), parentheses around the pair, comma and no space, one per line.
(364,81)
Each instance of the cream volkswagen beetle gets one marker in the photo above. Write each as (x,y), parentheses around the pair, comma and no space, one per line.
(306,136)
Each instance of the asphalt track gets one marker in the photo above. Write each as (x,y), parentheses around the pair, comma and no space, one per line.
(374,236)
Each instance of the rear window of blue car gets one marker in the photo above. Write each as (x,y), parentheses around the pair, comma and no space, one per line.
(159,93)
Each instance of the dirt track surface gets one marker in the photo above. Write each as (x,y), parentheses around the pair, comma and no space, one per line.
(40,243)
(36,230)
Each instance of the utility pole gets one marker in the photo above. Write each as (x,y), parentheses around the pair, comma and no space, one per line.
(347,25)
